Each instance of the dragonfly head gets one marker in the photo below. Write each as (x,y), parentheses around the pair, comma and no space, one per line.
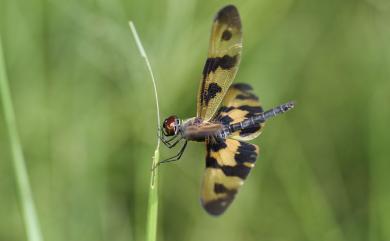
(171,126)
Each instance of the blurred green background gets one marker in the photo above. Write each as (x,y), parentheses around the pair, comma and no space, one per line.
(85,111)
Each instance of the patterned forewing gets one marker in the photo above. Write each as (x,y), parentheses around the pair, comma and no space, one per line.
(222,62)
(228,164)
(238,105)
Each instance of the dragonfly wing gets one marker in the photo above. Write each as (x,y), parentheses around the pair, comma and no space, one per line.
(228,163)
(222,61)
(238,105)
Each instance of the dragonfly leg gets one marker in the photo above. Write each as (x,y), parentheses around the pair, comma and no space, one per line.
(171,145)
(168,143)
(166,140)
(173,158)
(161,136)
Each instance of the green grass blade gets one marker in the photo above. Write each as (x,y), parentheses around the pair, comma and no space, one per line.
(152,212)
(151,225)
(28,208)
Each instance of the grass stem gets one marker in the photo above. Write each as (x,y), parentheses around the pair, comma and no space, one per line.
(30,217)
(152,212)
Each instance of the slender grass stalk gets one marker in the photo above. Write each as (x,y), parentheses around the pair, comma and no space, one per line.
(151,224)
(31,221)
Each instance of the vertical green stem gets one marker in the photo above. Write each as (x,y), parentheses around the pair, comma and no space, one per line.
(151,225)
(28,208)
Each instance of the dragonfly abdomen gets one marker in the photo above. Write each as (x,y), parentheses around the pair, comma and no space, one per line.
(260,118)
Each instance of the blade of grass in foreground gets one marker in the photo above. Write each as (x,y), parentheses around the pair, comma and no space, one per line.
(151,225)
(28,208)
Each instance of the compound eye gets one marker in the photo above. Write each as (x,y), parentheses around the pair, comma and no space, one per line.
(170,125)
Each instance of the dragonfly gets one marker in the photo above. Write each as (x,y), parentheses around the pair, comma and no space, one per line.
(228,116)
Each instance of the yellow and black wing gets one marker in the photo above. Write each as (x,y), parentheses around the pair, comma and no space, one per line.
(228,163)
(238,105)
(222,61)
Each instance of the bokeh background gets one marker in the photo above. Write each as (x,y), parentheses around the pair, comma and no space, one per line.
(85,111)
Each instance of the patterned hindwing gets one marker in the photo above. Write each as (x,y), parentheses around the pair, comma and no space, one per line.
(238,105)
(228,163)
(222,62)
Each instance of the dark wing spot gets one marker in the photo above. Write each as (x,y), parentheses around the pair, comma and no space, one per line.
(250,130)
(226,120)
(247,147)
(226,109)
(226,62)
(218,206)
(246,153)
(220,188)
(218,145)
(251,109)
(248,96)
(238,170)
(211,161)
(229,15)
(249,115)
(208,66)
(226,35)
(211,92)
(242,86)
